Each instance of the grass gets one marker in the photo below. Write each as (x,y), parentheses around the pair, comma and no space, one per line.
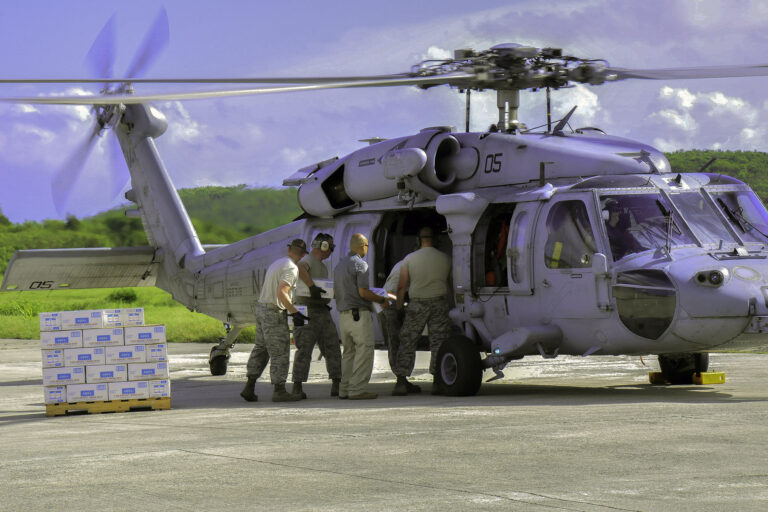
(19,310)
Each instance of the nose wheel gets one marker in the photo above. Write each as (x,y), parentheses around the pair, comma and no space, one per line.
(679,368)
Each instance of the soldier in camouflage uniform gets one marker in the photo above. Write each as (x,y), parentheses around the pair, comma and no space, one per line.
(321,330)
(272,344)
(426,276)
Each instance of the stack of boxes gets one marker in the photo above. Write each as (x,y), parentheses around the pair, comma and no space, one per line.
(103,355)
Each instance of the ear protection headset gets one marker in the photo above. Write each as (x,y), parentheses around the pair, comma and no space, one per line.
(322,242)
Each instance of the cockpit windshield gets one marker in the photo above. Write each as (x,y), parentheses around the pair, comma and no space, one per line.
(702,219)
(641,222)
(746,214)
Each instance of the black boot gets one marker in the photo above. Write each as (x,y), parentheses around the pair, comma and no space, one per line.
(411,387)
(298,391)
(401,388)
(437,386)
(335,387)
(281,395)
(249,391)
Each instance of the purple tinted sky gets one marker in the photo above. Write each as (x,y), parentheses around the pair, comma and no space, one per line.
(260,140)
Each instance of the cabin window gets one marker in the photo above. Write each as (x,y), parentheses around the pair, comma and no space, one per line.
(570,239)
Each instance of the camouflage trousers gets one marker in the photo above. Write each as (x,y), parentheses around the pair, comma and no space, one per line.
(319,330)
(391,323)
(272,344)
(421,312)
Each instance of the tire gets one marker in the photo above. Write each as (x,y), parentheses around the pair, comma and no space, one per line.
(458,367)
(218,365)
(679,368)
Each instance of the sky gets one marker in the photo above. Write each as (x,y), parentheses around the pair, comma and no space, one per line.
(260,140)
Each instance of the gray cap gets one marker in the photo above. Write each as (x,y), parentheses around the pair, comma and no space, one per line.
(299,244)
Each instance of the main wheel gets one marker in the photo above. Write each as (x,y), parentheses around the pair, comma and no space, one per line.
(459,367)
(679,368)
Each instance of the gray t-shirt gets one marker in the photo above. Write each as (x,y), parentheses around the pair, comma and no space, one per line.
(317,270)
(394,278)
(283,269)
(428,270)
(350,274)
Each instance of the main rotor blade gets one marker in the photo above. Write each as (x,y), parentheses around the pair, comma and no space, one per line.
(690,73)
(230,80)
(154,42)
(101,57)
(65,178)
(456,79)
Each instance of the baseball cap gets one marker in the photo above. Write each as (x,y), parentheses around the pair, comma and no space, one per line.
(299,244)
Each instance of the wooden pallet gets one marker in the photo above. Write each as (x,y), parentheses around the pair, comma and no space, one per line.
(134,404)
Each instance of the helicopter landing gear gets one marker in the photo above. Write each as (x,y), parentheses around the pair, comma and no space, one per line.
(219,356)
(459,367)
(679,368)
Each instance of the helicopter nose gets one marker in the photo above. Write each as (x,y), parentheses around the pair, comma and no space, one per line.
(717,301)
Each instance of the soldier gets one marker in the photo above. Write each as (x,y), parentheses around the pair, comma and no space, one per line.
(321,329)
(354,300)
(426,276)
(392,320)
(273,342)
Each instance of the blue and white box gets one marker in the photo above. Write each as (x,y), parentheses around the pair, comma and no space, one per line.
(54,394)
(125,354)
(132,316)
(157,353)
(86,319)
(50,321)
(84,356)
(145,334)
(128,390)
(147,371)
(64,376)
(88,393)
(106,373)
(103,337)
(159,388)
(61,339)
(53,358)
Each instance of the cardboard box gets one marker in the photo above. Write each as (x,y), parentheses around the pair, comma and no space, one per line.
(128,390)
(84,356)
(64,376)
(53,358)
(123,317)
(157,353)
(98,374)
(85,319)
(54,394)
(145,334)
(50,321)
(125,354)
(88,393)
(303,310)
(103,337)
(147,371)
(61,339)
(159,388)
(382,293)
(302,290)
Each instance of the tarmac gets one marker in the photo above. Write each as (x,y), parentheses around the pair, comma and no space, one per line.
(573,434)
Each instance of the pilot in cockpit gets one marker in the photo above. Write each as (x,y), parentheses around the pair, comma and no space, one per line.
(617,225)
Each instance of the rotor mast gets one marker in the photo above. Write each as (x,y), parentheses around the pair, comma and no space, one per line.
(508,103)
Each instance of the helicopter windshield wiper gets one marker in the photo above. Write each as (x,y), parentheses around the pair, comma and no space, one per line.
(738,218)
(670,221)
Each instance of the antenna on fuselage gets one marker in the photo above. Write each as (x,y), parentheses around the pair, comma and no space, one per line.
(558,130)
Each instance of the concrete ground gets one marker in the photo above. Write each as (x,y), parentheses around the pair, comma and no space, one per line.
(565,434)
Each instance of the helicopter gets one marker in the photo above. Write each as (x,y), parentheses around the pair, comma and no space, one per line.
(563,241)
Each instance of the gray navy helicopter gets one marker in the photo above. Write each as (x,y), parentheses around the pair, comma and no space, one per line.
(563,241)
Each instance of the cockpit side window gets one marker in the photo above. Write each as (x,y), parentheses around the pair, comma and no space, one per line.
(570,239)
